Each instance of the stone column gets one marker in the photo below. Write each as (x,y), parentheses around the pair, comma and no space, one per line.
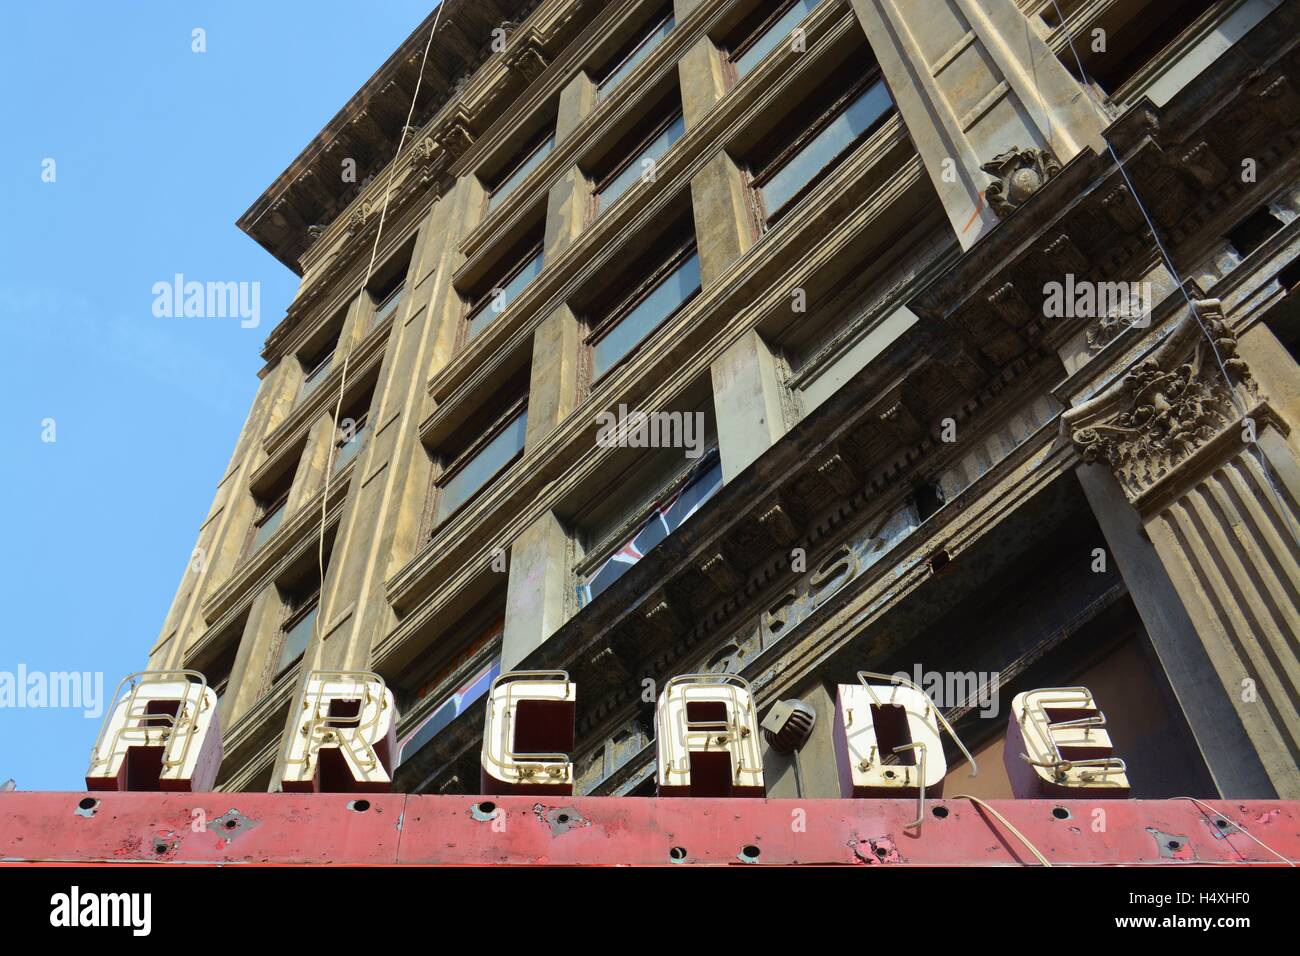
(577,100)
(749,401)
(537,598)
(1204,463)
(982,95)
(553,381)
(703,80)
(723,226)
(566,212)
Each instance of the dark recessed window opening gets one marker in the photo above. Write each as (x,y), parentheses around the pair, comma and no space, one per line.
(635,51)
(764,30)
(804,148)
(1130,49)
(1252,232)
(530,158)
(928,498)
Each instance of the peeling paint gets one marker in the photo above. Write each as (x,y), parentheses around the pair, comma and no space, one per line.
(231,824)
(876,851)
(1172,846)
(560,819)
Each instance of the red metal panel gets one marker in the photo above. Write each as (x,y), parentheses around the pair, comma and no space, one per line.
(200,827)
(284,828)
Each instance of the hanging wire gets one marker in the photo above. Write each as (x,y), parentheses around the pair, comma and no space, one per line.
(1265,466)
(1216,815)
(365,281)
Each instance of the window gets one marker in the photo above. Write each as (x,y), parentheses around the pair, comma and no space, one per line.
(1141,40)
(436,688)
(350,440)
(771,31)
(317,370)
(297,631)
(456,703)
(1253,231)
(632,56)
(533,158)
(671,288)
(791,171)
(271,518)
(701,483)
(388,306)
(481,465)
(613,186)
(498,299)
(218,669)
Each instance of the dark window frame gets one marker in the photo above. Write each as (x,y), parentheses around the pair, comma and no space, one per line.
(471,306)
(454,464)
(298,611)
(756,33)
(632,154)
(529,151)
(666,12)
(604,547)
(761,173)
(266,508)
(677,254)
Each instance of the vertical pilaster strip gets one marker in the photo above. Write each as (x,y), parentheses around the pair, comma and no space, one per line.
(703,80)
(748,401)
(537,598)
(973,82)
(553,382)
(566,212)
(723,224)
(577,100)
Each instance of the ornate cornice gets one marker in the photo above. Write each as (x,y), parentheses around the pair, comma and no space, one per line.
(466,67)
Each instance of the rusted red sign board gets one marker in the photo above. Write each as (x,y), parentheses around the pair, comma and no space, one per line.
(386,829)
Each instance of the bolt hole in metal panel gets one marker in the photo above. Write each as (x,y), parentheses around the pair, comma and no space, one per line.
(326,828)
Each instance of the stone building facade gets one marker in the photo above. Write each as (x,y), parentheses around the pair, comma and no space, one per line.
(975,350)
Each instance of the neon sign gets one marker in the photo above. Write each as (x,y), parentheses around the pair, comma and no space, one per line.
(163,734)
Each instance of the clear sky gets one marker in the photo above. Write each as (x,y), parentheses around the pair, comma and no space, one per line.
(157,150)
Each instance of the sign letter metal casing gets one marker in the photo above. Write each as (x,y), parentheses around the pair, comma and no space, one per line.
(162,733)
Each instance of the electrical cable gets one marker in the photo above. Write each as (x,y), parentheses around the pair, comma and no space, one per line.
(1266,467)
(1007,823)
(365,281)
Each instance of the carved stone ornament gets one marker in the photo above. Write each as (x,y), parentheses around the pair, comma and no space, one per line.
(526,58)
(1106,329)
(1020,173)
(1167,407)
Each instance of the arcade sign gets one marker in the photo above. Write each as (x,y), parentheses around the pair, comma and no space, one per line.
(163,733)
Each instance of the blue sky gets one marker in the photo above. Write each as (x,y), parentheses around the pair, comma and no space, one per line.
(157,151)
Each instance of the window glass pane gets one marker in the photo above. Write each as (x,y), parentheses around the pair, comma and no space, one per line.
(519,175)
(826,145)
(348,449)
(315,377)
(387,307)
(495,304)
(634,59)
(634,170)
(268,526)
(296,638)
(667,517)
(483,467)
(450,709)
(648,315)
(775,34)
